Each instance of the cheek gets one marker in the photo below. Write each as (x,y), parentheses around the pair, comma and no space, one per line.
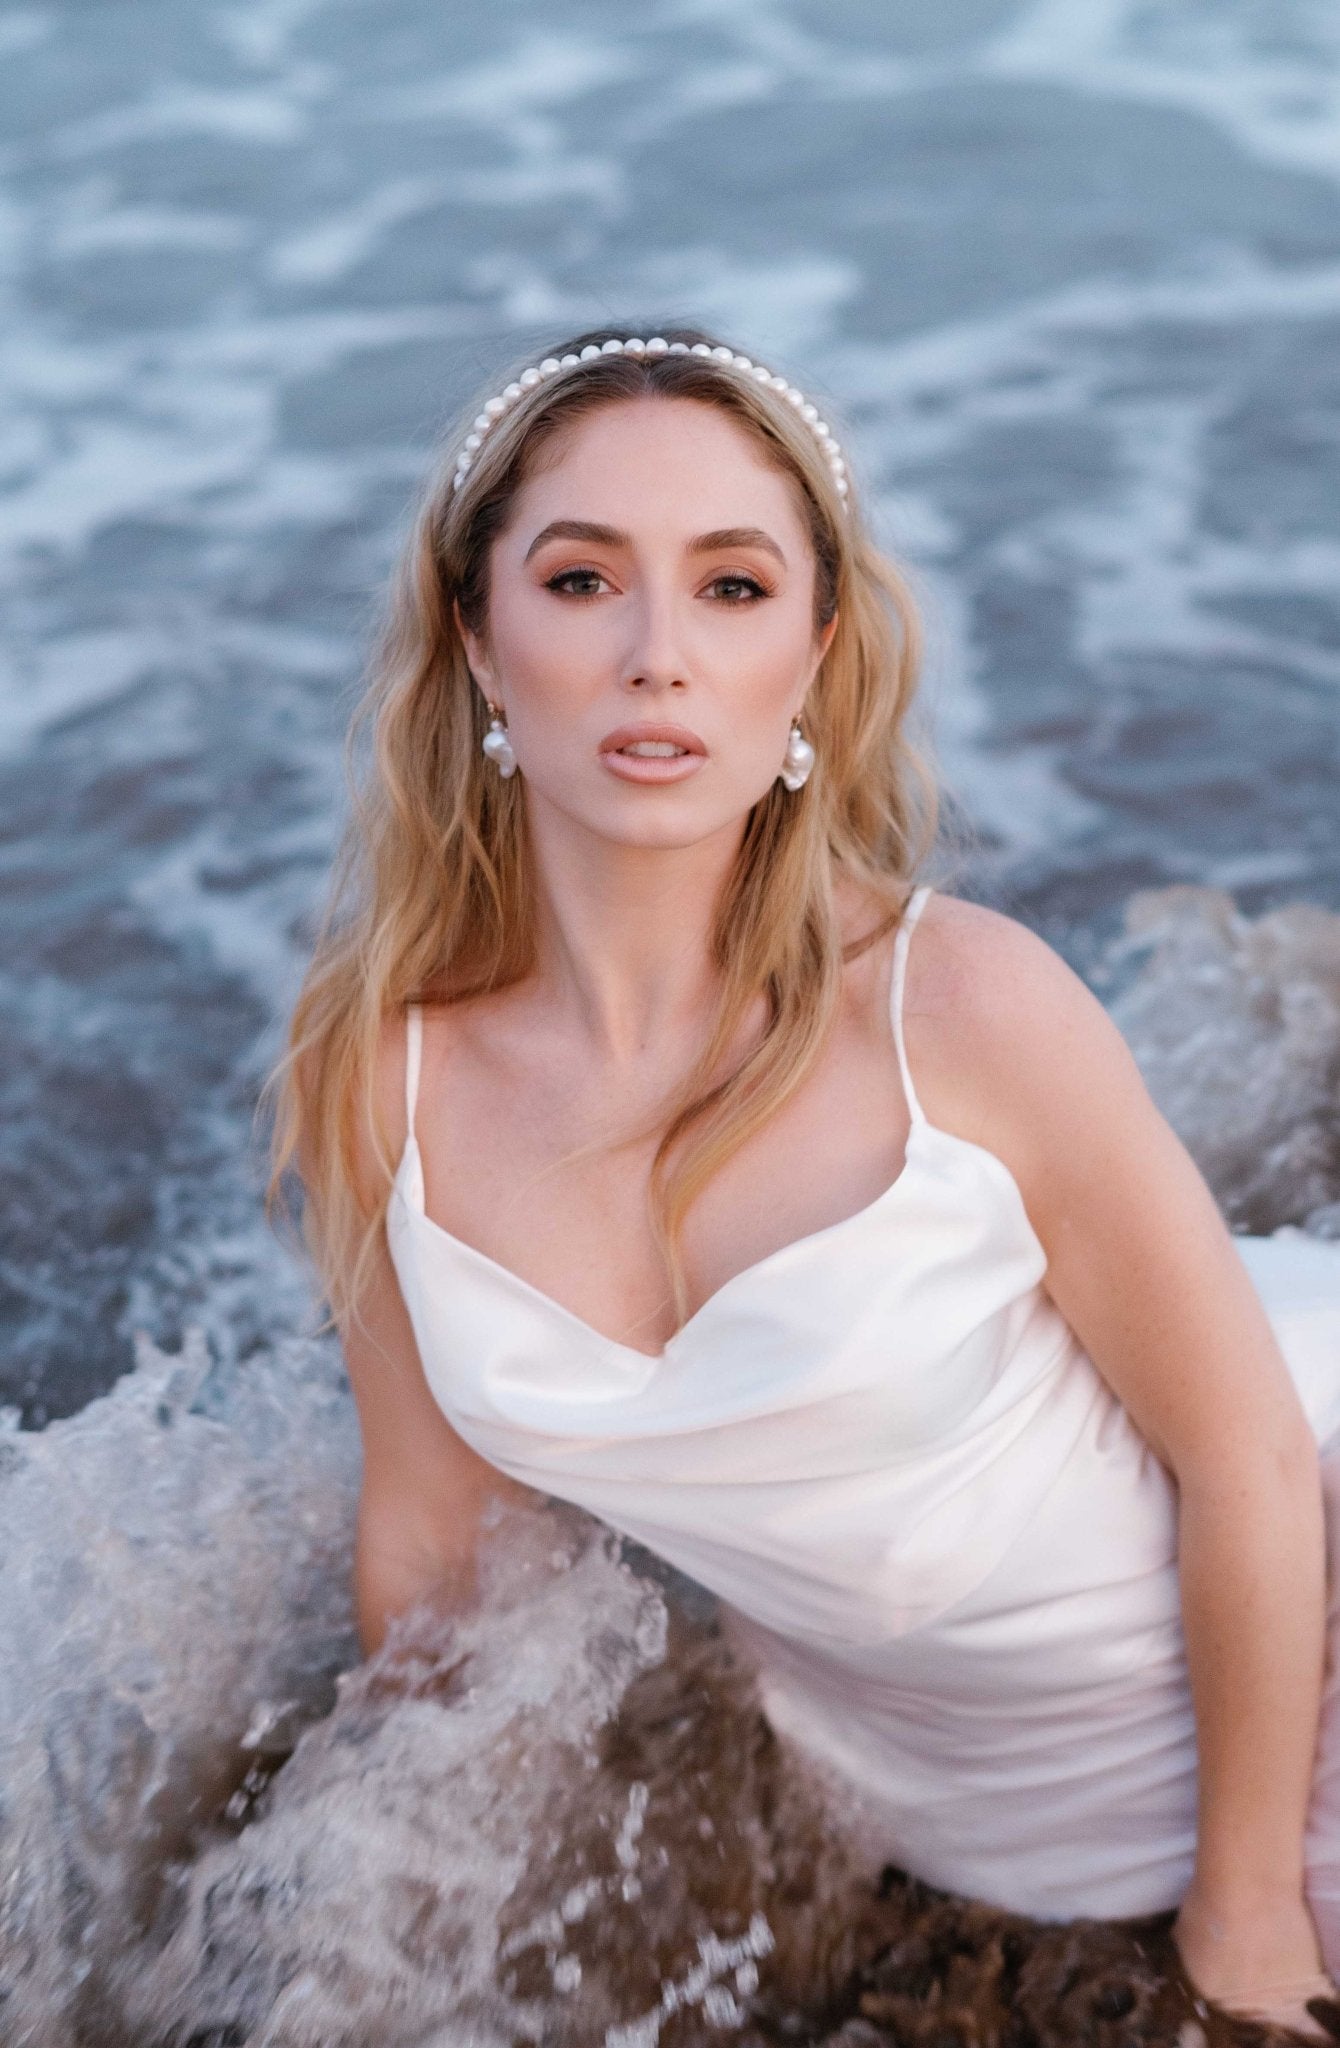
(549,656)
(771,658)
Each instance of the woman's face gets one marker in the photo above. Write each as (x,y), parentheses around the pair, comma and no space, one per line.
(654,585)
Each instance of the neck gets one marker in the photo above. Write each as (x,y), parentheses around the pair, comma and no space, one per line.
(624,933)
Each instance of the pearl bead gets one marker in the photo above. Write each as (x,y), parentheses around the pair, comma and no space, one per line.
(797,761)
(498,746)
(634,345)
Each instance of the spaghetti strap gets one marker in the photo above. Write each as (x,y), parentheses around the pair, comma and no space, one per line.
(413,1055)
(900,945)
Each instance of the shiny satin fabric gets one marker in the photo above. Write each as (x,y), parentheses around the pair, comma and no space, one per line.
(931,1522)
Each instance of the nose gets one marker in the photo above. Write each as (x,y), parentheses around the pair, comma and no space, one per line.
(655,659)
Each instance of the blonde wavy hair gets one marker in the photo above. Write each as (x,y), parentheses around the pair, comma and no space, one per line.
(429,897)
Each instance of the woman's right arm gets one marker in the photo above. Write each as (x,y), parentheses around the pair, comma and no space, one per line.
(424,1490)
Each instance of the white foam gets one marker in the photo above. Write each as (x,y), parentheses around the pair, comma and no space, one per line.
(254,116)
(1271,81)
(172,1557)
(1019,799)
(63,676)
(777,54)
(218,1818)
(261,32)
(117,469)
(1142,571)
(1236,1025)
(542,69)
(135,228)
(331,248)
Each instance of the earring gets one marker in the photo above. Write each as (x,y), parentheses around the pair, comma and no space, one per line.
(498,746)
(798,758)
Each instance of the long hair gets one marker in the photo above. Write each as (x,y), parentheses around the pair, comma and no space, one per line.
(430,899)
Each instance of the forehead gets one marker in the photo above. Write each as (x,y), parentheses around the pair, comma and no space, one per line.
(696,457)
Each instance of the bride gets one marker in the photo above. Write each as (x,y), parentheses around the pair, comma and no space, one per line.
(669,1148)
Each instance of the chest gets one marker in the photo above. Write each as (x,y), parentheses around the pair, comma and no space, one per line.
(519,1163)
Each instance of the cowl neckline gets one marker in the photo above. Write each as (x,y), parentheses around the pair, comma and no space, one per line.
(408,1188)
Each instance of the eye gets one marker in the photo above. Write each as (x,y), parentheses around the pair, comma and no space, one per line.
(753,589)
(564,577)
(740,590)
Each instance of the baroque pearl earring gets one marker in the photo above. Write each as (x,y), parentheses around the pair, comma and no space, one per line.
(498,745)
(798,759)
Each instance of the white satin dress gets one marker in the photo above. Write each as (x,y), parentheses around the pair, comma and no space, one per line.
(935,1526)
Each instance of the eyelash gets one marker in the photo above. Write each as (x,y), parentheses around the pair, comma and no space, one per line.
(759,590)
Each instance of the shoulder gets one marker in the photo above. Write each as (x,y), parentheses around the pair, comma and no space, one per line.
(992,975)
(1018,1054)
(1007,1044)
(377,1123)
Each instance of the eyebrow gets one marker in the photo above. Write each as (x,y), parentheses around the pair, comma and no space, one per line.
(611,537)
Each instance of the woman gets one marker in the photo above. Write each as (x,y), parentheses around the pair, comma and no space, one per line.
(650,1162)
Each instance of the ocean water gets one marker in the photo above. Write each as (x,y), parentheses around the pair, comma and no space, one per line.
(1066,275)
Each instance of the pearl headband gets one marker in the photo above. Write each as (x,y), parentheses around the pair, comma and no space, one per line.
(539,373)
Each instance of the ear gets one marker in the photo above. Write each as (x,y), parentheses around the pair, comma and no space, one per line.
(824,643)
(480,667)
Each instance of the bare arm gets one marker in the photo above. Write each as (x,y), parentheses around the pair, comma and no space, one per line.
(1144,1268)
(424,1490)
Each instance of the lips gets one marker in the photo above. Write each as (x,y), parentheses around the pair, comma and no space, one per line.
(656,739)
(652,754)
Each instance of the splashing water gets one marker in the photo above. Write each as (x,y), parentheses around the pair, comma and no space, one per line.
(175,1556)
(219,1827)
(1236,1025)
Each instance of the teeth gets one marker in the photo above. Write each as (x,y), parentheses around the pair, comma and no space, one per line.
(657,750)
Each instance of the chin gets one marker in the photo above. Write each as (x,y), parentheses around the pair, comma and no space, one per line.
(670,833)
(670,816)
